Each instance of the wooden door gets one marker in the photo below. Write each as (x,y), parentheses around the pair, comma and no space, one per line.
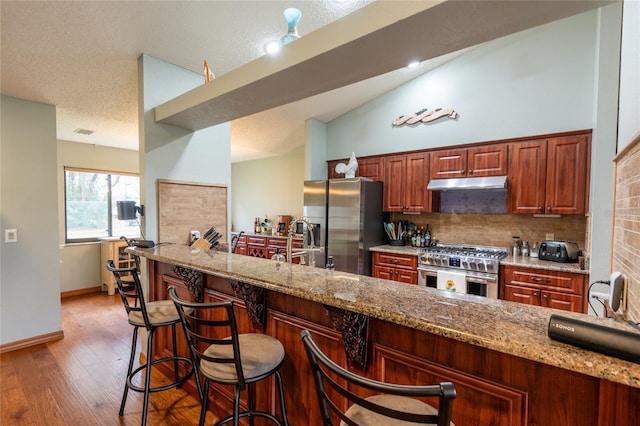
(372,168)
(449,163)
(567,175)
(383,272)
(487,160)
(527,177)
(395,168)
(406,276)
(417,198)
(528,296)
(566,302)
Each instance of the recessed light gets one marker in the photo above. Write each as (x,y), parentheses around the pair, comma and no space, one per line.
(272,47)
(83,131)
(413,64)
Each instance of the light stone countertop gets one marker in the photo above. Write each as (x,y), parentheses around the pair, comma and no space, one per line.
(519,261)
(511,328)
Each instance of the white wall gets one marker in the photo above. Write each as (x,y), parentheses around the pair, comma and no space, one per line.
(29,273)
(80,264)
(629,121)
(168,152)
(269,186)
(533,82)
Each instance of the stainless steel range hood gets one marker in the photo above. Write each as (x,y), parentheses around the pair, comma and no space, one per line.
(488,182)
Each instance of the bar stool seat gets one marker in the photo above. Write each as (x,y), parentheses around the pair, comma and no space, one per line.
(150,316)
(362,416)
(261,354)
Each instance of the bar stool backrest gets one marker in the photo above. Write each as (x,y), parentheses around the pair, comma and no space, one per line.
(332,380)
(132,297)
(207,324)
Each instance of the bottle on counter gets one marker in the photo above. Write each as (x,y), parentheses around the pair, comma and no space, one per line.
(525,249)
(256,226)
(427,237)
(278,258)
(422,237)
(413,238)
(515,246)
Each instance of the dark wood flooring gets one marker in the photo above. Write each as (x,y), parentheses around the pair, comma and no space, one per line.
(79,380)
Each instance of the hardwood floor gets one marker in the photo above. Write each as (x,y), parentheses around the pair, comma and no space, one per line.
(79,380)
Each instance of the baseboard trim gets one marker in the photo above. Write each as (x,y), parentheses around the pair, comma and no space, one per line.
(80,292)
(32,341)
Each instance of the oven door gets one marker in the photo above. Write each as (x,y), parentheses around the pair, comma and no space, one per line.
(478,284)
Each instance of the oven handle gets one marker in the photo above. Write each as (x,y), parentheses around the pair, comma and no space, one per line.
(432,272)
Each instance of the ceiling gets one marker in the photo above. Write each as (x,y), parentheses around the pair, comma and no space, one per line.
(82,58)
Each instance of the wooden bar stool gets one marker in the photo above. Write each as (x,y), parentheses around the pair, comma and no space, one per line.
(395,405)
(150,316)
(223,356)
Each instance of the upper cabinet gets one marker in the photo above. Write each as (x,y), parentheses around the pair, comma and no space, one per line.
(372,168)
(486,160)
(405,183)
(549,176)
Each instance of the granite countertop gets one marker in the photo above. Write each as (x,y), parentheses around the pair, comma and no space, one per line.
(511,328)
(518,261)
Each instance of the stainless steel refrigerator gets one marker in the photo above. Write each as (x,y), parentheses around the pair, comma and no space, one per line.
(349,212)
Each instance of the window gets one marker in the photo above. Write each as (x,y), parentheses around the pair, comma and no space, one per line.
(90,204)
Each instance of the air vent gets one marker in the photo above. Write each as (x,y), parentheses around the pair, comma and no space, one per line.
(83,131)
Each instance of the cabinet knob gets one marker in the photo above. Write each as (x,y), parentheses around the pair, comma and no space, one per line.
(546,296)
(461,172)
(540,208)
(470,172)
(536,294)
(548,209)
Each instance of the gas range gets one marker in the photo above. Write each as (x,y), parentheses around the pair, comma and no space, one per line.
(463,257)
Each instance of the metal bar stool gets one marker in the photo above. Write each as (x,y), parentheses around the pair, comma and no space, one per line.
(394,404)
(151,316)
(238,360)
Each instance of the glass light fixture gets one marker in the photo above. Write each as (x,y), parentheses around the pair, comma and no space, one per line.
(292,15)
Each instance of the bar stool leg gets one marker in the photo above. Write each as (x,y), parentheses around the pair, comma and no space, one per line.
(283,409)
(236,405)
(205,402)
(134,340)
(252,403)
(175,354)
(147,383)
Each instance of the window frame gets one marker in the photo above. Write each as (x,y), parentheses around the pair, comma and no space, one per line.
(110,209)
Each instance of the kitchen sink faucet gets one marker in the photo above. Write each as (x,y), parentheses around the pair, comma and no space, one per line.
(310,252)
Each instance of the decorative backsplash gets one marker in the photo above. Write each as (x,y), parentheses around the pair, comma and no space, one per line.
(626,239)
(497,229)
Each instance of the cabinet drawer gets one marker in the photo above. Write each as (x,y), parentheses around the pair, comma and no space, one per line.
(395,260)
(256,241)
(278,242)
(558,281)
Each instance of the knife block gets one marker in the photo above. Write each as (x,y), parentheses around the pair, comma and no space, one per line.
(201,243)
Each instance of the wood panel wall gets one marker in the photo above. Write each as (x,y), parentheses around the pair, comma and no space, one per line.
(187,206)
(626,223)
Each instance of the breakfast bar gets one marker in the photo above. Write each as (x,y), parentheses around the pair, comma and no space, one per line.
(497,353)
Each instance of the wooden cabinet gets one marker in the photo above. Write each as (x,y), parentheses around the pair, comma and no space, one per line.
(550,289)
(370,167)
(405,184)
(266,246)
(114,249)
(395,267)
(549,176)
(486,160)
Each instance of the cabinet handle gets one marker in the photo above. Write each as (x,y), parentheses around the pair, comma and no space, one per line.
(461,172)
(470,172)
(540,209)
(546,296)
(535,294)
(548,209)
(394,261)
(540,280)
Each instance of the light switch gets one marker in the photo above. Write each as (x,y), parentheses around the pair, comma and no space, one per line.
(10,235)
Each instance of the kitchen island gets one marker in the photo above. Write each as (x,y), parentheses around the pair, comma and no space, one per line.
(505,368)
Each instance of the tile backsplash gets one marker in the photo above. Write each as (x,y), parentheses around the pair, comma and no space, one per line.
(497,229)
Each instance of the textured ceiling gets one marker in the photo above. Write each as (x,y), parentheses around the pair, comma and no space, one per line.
(82,57)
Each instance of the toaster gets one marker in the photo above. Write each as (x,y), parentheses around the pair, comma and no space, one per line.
(559,251)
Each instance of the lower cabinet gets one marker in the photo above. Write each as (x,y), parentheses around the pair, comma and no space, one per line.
(395,267)
(265,246)
(492,388)
(551,289)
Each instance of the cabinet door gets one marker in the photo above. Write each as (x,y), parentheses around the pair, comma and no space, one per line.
(524,295)
(566,302)
(383,272)
(487,160)
(395,168)
(372,168)
(451,163)
(406,276)
(417,198)
(527,177)
(567,175)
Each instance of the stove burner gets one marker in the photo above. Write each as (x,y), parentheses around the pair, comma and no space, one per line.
(471,258)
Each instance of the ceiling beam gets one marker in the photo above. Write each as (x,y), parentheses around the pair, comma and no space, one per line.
(376,39)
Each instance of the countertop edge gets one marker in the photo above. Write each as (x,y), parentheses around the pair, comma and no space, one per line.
(442,314)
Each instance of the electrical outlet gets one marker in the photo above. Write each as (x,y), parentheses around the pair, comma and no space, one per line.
(549,237)
(10,235)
